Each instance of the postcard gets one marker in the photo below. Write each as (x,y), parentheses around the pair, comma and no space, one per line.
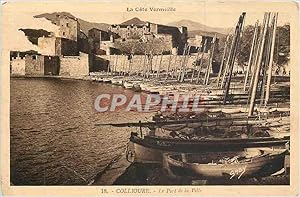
(156,98)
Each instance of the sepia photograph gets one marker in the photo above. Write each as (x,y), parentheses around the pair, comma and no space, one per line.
(150,94)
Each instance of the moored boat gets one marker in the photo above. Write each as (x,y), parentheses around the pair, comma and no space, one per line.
(128,85)
(231,165)
(150,149)
(106,80)
(117,80)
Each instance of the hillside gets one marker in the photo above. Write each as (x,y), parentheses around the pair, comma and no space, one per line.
(193,33)
(194,27)
(134,21)
(85,26)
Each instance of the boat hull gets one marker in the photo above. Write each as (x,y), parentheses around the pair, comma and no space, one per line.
(151,149)
(259,167)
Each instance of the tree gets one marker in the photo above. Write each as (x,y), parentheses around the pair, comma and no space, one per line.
(282,45)
(243,53)
(281,52)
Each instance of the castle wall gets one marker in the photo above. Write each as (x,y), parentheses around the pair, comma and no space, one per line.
(66,47)
(46,45)
(17,66)
(121,62)
(129,31)
(74,65)
(41,65)
(51,65)
(57,46)
(178,38)
(34,65)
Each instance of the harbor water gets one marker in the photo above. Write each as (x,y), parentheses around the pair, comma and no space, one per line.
(54,140)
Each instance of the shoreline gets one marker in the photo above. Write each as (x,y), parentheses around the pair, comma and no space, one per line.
(85,78)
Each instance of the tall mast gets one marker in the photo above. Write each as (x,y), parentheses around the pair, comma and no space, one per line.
(251,54)
(223,60)
(271,59)
(233,54)
(209,67)
(198,53)
(185,62)
(257,73)
(201,61)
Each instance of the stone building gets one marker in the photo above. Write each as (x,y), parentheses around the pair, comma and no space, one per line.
(74,65)
(69,27)
(134,31)
(17,61)
(17,65)
(147,30)
(41,65)
(56,46)
(66,42)
(96,38)
(83,43)
(199,40)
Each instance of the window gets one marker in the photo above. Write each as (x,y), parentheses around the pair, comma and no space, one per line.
(64,33)
(67,24)
(34,57)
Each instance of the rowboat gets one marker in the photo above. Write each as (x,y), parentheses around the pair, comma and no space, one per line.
(136,86)
(144,86)
(226,164)
(99,79)
(117,80)
(150,149)
(128,85)
(106,80)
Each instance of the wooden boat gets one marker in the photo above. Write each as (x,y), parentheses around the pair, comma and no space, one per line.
(117,80)
(106,80)
(153,89)
(99,79)
(144,86)
(136,86)
(231,165)
(128,85)
(150,149)
(231,110)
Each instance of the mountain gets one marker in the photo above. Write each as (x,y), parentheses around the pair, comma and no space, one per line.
(134,21)
(85,26)
(195,27)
